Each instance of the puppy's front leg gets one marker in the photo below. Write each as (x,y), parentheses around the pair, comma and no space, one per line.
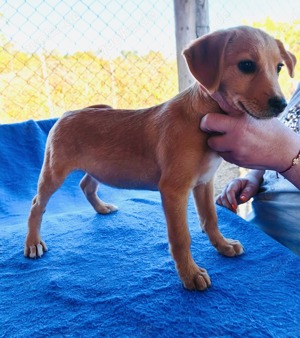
(204,200)
(175,204)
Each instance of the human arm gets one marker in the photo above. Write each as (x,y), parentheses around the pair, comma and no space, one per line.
(254,143)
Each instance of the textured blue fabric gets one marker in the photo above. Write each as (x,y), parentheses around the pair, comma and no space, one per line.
(112,276)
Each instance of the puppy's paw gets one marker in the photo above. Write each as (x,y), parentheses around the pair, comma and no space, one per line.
(196,279)
(229,247)
(35,250)
(105,208)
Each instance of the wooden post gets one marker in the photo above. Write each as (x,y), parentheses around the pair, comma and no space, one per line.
(191,21)
(202,18)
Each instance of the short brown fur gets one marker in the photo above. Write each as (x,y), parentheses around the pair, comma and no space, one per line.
(162,147)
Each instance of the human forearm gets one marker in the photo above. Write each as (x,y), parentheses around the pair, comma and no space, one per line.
(292,173)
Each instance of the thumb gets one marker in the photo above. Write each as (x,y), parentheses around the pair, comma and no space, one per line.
(216,123)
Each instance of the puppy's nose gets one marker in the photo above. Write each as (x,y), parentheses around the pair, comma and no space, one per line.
(277,104)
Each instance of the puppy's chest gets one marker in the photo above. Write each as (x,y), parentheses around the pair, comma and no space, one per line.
(208,168)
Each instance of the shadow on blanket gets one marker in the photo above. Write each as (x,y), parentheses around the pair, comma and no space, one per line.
(112,276)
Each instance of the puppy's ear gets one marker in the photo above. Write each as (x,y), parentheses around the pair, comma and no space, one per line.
(205,58)
(289,58)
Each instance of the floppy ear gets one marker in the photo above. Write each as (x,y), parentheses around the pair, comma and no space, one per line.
(205,58)
(289,58)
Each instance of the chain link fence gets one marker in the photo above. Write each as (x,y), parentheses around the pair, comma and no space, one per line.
(61,55)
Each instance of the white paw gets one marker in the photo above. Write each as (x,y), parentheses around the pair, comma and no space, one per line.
(35,251)
(106,208)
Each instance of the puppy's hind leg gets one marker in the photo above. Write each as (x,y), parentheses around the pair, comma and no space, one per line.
(50,180)
(89,186)
(203,196)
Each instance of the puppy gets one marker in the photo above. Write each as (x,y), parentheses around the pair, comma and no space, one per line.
(162,148)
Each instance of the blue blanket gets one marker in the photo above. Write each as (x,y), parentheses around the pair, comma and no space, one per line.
(112,276)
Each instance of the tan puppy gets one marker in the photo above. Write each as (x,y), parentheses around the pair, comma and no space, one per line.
(162,147)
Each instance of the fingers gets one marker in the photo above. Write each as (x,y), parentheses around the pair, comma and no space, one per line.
(247,193)
(216,123)
(237,138)
(223,201)
(238,191)
(228,197)
(220,126)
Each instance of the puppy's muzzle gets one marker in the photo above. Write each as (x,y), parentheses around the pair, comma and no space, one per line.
(277,105)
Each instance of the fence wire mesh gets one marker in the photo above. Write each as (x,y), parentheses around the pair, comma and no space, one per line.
(62,55)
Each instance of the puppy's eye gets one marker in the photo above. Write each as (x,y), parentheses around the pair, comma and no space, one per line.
(247,66)
(279,66)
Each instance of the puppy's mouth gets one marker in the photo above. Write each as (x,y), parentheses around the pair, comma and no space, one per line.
(236,106)
(245,110)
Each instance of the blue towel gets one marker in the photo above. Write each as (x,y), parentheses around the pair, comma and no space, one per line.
(112,276)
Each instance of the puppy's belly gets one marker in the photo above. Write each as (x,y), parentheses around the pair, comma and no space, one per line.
(127,177)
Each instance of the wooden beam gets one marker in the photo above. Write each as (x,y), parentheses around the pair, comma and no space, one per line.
(191,21)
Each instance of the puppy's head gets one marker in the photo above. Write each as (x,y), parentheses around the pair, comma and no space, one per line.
(239,67)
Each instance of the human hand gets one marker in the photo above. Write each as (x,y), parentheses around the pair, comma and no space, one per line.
(251,143)
(240,190)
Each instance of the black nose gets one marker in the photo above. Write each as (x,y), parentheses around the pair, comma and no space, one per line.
(277,104)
